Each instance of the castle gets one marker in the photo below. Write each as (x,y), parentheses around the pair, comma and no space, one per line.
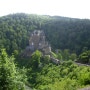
(37,41)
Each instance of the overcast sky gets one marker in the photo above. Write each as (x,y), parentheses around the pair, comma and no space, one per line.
(68,8)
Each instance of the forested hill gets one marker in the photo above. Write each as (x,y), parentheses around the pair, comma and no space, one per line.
(61,32)
(68,33)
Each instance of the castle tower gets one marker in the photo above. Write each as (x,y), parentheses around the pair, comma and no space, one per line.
(37,41)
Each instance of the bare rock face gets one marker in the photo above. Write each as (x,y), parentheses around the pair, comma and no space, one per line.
(37,41)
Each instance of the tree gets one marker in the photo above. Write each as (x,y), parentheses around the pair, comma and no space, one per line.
(8,73)
(73,56)
(36,59)
(84,57)
(66,54)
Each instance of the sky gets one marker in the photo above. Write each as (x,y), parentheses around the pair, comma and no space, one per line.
(66,8)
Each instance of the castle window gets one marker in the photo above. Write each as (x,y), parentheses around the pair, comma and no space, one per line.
(32,34)
(39,44)
(32,43)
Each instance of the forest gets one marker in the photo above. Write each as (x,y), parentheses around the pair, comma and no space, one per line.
(70,36)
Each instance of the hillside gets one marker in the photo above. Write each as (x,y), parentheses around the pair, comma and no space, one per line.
(15,30)
(61,32)
(65,39)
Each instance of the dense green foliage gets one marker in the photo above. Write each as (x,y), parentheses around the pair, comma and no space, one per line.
(61,32)
(84,57)
(10,76)
(15,30)
(66,76)
(71,37)
(67,33)
(42,74)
